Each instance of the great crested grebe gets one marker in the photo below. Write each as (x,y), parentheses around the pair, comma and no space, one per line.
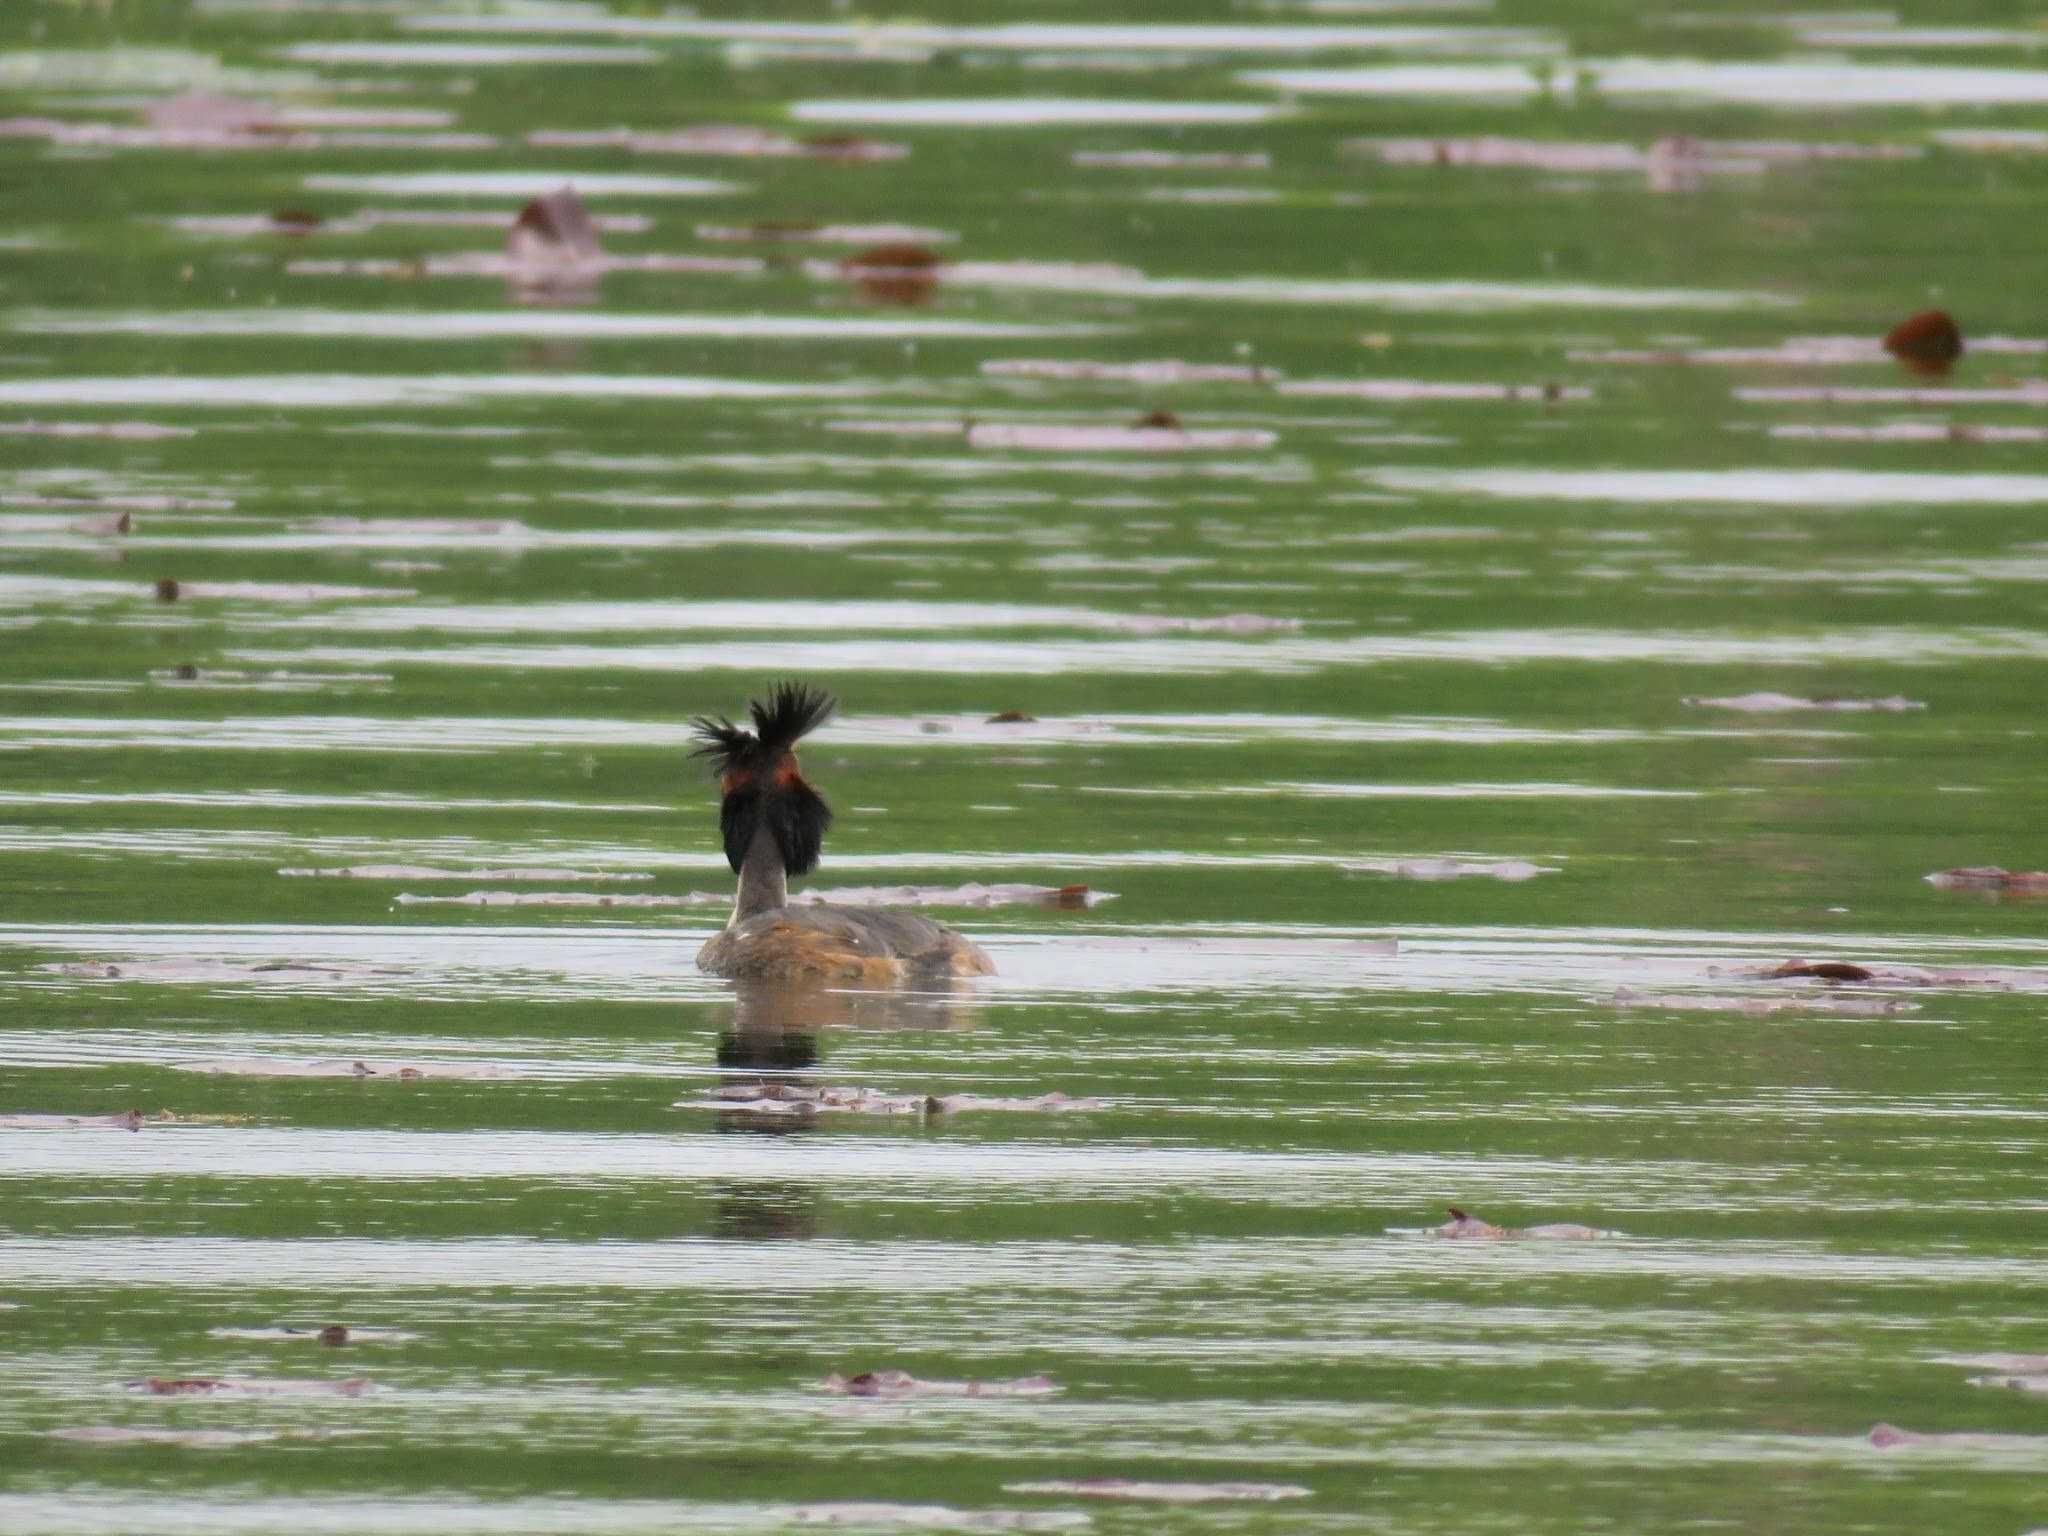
(774,826)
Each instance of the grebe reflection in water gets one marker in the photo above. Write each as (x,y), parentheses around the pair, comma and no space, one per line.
(774,826)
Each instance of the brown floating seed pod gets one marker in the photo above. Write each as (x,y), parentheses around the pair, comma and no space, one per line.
(896,273)
(1928,343)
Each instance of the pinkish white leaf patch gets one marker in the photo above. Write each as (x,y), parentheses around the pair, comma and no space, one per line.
(1888,1437)
(1463,1226)
(429,872)
(1170,370)
(1993,878)
(1787,703)
(335,1066)
(1058,437)
(1511,870)
(333,1335)
(894,1383)
(1759,1007)
(802,1101)
(278,1386)
(1162,1493)
(196,1439)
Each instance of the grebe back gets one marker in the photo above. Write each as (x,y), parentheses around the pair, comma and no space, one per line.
(773,824)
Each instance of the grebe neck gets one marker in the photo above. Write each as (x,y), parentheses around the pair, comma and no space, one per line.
(763,887)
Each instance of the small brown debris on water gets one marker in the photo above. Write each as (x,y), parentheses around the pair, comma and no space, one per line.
(167,589)
(1928,343)
(296,221)
(553,227)
(1992,878)
(1158,421)
(1819,970)
(334,1335)
(899,272)
(174,1386)
(106,523)
(1011,717)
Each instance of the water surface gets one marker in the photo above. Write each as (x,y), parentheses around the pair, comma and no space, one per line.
(1404,503)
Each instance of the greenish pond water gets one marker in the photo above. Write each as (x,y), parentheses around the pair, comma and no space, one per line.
(1524,420)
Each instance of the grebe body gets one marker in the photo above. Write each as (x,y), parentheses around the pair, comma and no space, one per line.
(871,945)
(774,823)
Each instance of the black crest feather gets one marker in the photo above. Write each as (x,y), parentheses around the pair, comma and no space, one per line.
(760,781)
(793,710)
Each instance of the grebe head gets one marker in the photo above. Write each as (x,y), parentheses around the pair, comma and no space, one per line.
(759,781)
